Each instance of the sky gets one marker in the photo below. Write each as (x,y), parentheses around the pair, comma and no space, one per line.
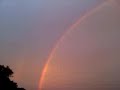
(29,30)
(88,56)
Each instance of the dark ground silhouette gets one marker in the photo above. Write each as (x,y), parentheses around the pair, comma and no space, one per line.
(5,82)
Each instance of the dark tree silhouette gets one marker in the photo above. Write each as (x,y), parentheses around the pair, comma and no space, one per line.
(5,82)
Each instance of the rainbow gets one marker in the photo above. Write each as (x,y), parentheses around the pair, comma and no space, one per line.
(72,27)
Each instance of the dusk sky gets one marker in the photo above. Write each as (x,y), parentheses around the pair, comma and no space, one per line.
(79,38)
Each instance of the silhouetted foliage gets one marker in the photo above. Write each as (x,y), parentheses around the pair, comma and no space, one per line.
(5,82)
